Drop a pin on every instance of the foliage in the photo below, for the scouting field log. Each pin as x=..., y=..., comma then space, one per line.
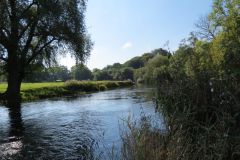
x=127, y=73
x=154, y=65
x=135, y=63
x=101, y=75
x=81, y=72
x=50, y=74
x=40, y=73
x=226, y=16
x=135, y=68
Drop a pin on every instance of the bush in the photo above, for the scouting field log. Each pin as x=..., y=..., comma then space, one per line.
x=86, y=86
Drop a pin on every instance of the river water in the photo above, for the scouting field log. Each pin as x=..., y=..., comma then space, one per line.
x=83, y=127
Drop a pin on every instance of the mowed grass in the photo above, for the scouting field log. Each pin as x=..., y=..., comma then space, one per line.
x=35, y=91
x=28, y=86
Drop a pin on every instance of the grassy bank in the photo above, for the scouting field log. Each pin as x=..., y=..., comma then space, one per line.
x=36, y=91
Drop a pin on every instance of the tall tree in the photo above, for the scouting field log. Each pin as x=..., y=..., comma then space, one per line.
x=36, y=30
x=81, y=72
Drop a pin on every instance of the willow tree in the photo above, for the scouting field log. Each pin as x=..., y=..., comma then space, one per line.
x=33, y=31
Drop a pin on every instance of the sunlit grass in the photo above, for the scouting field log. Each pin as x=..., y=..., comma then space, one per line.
x=27, y=86
x=3, y=87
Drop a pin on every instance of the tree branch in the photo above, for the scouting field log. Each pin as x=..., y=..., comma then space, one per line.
x=14, y=24
x=6, y=31
x=30, y=23
x=24, y=30
x=205, y=28
x=4, y=59
x=39, y=51
x=26, y=10
x=30, y=37
x=3, y=40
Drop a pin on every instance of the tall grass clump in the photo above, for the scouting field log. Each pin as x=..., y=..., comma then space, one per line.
x=141, y=140
x=202, y=117
x=92, y=86
x=86, y=86
x=203, y=120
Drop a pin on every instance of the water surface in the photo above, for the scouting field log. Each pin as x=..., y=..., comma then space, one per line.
x=73, y=128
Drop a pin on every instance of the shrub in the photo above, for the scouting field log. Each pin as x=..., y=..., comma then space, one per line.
x=102, y=87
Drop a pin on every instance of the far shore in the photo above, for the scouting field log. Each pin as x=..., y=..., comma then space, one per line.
x=38, y=91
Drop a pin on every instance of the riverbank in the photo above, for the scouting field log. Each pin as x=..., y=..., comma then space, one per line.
x=37, y=91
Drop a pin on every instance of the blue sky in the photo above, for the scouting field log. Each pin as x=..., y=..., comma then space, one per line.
x=122, y=29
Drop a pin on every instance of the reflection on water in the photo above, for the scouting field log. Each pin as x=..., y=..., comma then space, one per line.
x=73, y=128
x=13, y=143
x=16, y=128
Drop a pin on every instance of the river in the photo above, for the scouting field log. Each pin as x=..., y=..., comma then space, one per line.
x=83, y=127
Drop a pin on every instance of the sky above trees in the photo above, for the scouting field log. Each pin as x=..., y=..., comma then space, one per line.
x=122, y=29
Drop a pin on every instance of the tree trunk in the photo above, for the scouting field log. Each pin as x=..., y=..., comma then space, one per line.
x=14, y=84
x=16, y=123
x=15, y=76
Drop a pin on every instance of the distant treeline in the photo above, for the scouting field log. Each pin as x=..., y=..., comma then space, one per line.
x=139, y=69
x=136, y=69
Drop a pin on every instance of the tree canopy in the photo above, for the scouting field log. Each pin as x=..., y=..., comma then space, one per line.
x=36, y=31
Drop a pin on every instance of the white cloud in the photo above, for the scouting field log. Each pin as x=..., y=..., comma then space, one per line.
x=127, y=45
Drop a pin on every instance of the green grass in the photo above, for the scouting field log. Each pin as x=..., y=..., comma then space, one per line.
x=27, y=86
x=3, y=87
x=35, y=91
